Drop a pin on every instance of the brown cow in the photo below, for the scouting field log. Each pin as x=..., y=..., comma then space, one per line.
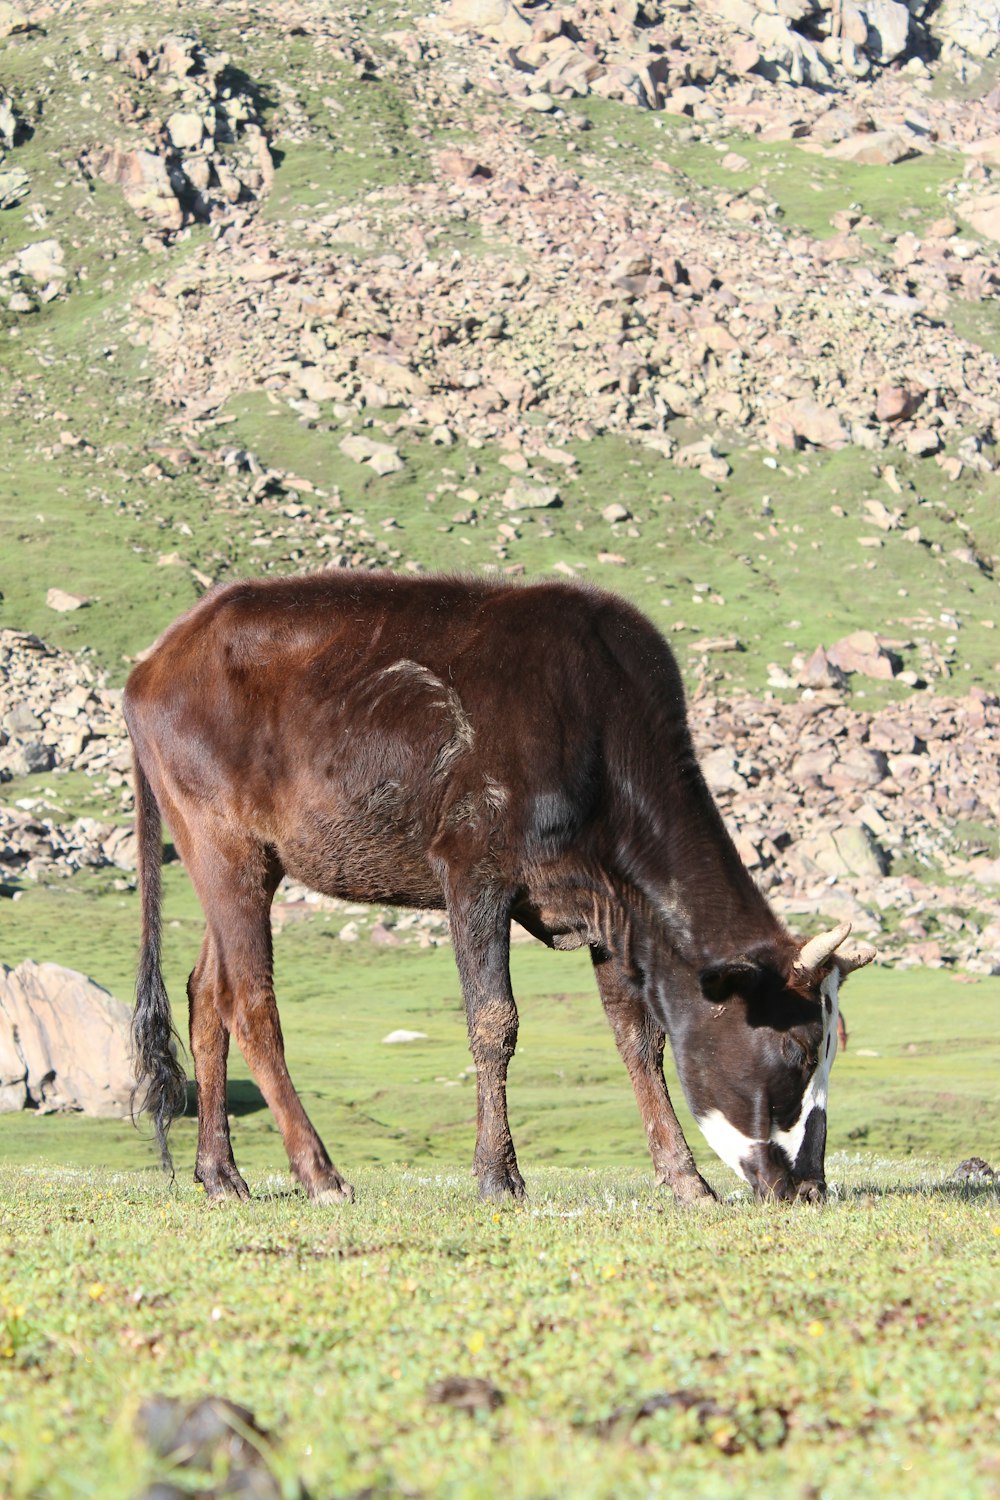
x=503, y=750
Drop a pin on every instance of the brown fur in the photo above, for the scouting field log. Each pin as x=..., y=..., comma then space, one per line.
x=505, y=751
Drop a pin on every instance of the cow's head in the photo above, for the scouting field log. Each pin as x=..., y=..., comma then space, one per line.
x=755, y=1064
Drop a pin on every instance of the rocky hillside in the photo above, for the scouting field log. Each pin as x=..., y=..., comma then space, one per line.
x=699, y=300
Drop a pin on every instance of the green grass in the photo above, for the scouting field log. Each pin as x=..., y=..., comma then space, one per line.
x=96, y=524
x=926, y=1093
x=807, y=187
x=846, y=1350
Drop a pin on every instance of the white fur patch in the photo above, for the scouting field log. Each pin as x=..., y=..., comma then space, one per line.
x=815, y=1094
x=675, y=913
x=728, y=1143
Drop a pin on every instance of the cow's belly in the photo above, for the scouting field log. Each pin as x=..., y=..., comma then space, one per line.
x=338, y=858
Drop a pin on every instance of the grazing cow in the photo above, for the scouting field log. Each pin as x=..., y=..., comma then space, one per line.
x=505, y=751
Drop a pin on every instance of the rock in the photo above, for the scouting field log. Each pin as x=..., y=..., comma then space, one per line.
x=983, y=213
x=211, y=1435
x=26, y=759
x=971, y=26
x=382, y=457
x=382, y=936
x=63, y=603
x=185, y=129
x=744, y=57
x=477, y=15
x=397, y=377
x=616, y=512
x=895, y=403
x=121, y=849
x=460, y=166
x=385, y=459
x=541, y=104
x=15, y=185
x=396, y=1037
x=42, y=261
x=845, y=851
x=520, y=495
x=985, y=149
x=719, y=770
x=9, y=121
x=863, y=652
x=703, y=456
x=874, y=148
x=974, y=1169
x=64, y=1042
x=146, y=183
x=888, y=25
x=739, y=13
x=805, y=420
x=820, y=672
x=922, y=441
x=13, y=18
x=466, y=1392
x=853, y=25
x=858, y=766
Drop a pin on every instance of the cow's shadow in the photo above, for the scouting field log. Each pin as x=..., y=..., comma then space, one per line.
x=243, y=1097
x=962, y=1191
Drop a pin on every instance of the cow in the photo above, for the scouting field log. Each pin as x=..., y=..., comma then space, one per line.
x=507, y=751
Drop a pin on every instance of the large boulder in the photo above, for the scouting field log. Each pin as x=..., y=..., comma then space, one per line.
x=971, y=26
x=146, y=181
x=64, y=1042
x=888, y=28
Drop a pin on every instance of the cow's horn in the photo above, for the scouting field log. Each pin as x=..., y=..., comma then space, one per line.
x=855, y=956
x=818, y=949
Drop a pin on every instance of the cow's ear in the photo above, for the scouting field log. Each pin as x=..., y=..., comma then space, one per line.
x=719, y=982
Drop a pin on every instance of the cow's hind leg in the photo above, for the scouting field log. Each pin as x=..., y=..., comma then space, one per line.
x=480, y=930
x=235, y=880
x=215, y=1167
x=641, y=1042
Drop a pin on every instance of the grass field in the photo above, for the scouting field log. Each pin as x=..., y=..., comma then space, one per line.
x=838, y=1352
x=820, y=1354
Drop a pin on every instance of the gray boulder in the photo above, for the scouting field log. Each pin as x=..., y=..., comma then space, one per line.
x=64, y=1043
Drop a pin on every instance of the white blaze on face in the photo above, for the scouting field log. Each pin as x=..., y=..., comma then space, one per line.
x=728, y=1143
x=816, y=1090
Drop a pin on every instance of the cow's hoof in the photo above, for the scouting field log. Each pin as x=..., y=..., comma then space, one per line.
x=690, y=1190
x=501, y=1184
x=332, y=1192
x=222, y=1182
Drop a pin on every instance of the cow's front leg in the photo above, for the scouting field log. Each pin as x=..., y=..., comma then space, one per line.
x=641, y=1042
x=480, y=930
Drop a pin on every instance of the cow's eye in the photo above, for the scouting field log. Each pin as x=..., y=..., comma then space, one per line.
x=793, y=1054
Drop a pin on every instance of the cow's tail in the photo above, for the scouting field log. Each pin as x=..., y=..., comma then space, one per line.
x=160, y=1087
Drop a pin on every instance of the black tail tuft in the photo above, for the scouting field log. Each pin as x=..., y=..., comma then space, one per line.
x=160, y=1087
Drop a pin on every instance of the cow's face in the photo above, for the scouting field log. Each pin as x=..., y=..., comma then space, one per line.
x=755, y=1064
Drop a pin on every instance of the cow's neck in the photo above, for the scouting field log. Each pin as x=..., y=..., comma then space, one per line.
x=696, y=889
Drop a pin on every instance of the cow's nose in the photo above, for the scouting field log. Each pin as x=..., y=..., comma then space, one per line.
x=811, y=1190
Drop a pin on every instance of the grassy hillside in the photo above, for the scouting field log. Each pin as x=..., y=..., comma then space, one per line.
x=102, y=477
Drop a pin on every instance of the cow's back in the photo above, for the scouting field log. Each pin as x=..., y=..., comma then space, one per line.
x=359, y=724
